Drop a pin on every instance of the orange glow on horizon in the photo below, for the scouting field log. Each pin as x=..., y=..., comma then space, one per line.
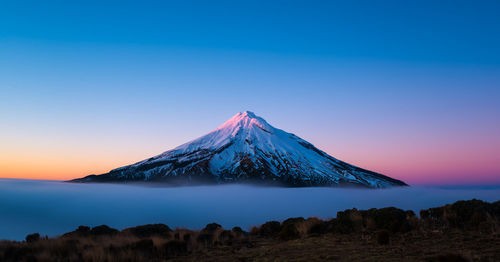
x=415, y=160
x=52, y=166
x=411, y=166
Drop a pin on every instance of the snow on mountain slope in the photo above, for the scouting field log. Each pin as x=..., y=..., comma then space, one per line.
x=247, y=149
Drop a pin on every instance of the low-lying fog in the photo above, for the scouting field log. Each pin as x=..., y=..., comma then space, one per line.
x=53, y=208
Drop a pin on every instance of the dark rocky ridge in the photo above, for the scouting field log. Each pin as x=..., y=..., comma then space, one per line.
x=463, y=231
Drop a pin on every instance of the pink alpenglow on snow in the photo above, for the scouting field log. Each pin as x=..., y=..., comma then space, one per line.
x=247, y=149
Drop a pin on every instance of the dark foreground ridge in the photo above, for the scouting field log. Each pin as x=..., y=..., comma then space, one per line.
x=463, y=231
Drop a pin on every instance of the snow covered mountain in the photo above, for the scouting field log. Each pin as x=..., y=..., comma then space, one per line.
x=246, y=149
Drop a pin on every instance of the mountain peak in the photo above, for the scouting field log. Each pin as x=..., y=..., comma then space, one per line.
x=247, y=149
x=246, y=120
x=249, y=114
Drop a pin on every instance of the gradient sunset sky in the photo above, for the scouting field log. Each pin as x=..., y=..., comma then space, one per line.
x=410, y=89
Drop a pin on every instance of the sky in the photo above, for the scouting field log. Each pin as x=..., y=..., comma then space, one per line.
x=410, y=89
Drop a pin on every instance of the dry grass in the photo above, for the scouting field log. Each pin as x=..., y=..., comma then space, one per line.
x=117, y=247
x=464, y=231
x=411, y=246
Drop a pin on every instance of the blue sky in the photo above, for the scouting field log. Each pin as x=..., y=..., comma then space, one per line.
x=420, y=31
x=370, y=82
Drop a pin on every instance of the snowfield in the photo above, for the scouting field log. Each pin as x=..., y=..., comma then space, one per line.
x=247, y=149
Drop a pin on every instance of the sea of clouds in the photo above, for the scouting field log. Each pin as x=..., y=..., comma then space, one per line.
x=52, y=208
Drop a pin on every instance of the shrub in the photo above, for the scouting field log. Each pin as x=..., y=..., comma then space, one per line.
x=254, y=231
x=212, y=227
x=390, y=218
x=305, y=227
x=270, y=229
x=81, y=231
x=293, y=228
x=471, y=214
x=103, y=230
x=317, y=228
x=468, y=214
x=238, y=232
x=341, y=225
x=293, y=220
x=352, y=220
x=31, y=238
x=289, y=231
x=149, y=230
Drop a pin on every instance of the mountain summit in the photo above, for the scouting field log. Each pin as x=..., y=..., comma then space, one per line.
x=246, y=149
